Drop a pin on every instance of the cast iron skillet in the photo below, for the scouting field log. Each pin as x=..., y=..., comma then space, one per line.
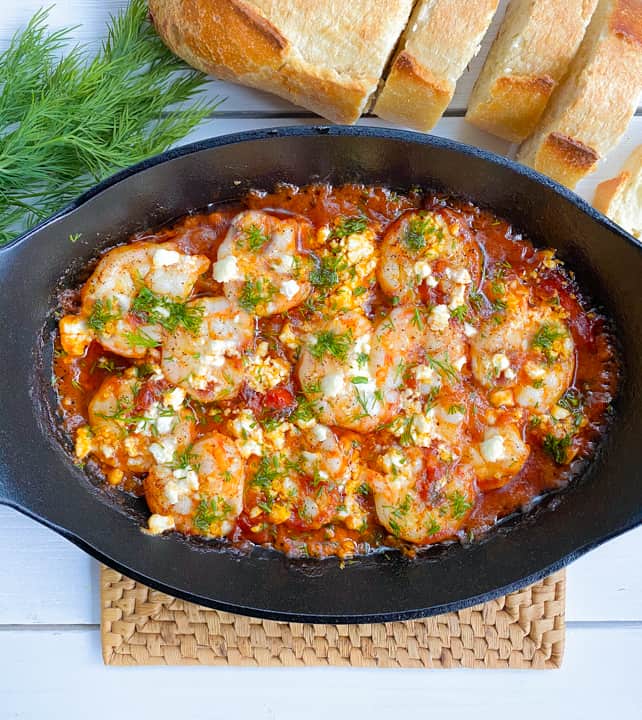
x=38, y=476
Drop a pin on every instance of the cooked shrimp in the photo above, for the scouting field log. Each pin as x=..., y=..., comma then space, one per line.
x=420, y=498
x=414, y=251
x=201, y=489
x=499, y=457
x=132, y=293
x=208, y=363
x=260, y=263
x=135, y=422
x=303, y=487
x=410, y=336
x=528, y=359
x=335, y=373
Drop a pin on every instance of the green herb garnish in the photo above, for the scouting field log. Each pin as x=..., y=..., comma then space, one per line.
x=210, y=511
x=256, y=292
x=331, y=343
x=139, y=338
x=68, y=122
x=459, y=506
x=153, y=308
x=557, y=448
x=349, y=226
x=103, y=312
x=255, y=239
x=546, y=337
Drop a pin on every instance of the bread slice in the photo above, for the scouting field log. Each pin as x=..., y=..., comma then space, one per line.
x=621, y=197
x=595, y=102
x=327, y=56
x=441, y=39
x=533, y=49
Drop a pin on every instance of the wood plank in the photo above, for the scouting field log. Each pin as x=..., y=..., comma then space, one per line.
x=45, y=669
x=44, y=579
x=91, y=16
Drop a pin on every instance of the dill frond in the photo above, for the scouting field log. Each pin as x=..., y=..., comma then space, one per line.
x=67, y=123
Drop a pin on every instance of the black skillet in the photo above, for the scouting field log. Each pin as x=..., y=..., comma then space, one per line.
x=37, y=473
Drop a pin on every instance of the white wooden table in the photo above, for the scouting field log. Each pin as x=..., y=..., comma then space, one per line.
x=50, y=662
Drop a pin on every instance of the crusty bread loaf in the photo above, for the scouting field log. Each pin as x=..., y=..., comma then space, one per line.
x=327, y=56
x=593, y=105
x=621, y=197
x=441, y=39
x=535, y=44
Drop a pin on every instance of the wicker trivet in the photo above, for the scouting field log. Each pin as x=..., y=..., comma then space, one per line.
x=141, y=626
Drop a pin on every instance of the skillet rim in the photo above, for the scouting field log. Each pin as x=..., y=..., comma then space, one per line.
x=331, y=130
x=349, y=131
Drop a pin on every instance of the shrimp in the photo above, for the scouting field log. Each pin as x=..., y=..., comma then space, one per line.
x=135, y=422
x=416, y=249
x=420, y=498
x=208, y=364
x=200, y=490
x=134, y=291
x=303, y=487
x=528, y=359
x=410, y=336
x=335, y=374
x=260, y=263
x=416, y=358
x=499, y=457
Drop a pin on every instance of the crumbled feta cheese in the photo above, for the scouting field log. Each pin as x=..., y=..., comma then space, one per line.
x=163, y=257
x=423, y=429
x=560, y=413
x=457, y=297
x=460, y=276
x=288, y=338
x=534, y=370
x=283, y=264
x=510, y=374
x=248, y=432
x=492, y=449
x=460, y=362
x=394, y=461
x=163, y=451
x=165, y=423
x=320, y=432
x=358, y=248
x=332, y=384
x=226, y=269
x=158, y=524
x=290, y=288
x=528, y=396
x=502, y=397
x=439, y=318
x=83, y=441
x=174, y=398
x=500, y=363
x=469, y=330
x=75, y=335
x=265, y=372
x=183, y=483
x=422, y=269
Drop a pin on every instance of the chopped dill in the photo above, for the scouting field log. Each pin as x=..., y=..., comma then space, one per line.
x=331, y=343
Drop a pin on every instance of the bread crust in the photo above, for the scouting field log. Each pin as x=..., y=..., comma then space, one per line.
x=441, y=39
x=533, y=48
x=621, y=197
x=592, y=107
x=273, y=45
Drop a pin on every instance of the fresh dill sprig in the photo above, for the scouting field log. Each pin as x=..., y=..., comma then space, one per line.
x=66, y=123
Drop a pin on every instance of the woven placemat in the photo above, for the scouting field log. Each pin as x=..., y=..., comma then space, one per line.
x=140, y=626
